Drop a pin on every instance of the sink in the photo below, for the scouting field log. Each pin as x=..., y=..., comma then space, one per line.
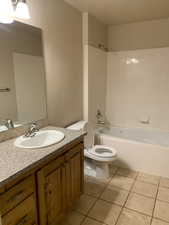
x=41, y=139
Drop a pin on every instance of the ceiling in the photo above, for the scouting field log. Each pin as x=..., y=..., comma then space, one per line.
x=123, y=11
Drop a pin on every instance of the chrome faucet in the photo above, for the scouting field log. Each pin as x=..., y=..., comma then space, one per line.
x=8, y=123
x=32, y=130
x=100, y=119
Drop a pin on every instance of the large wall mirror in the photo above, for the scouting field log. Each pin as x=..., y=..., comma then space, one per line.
x=22, y=74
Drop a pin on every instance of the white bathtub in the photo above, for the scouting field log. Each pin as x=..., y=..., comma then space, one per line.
x=138, y=149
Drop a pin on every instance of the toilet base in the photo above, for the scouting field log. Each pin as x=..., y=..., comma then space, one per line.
x=102, y=170
x=96, y=169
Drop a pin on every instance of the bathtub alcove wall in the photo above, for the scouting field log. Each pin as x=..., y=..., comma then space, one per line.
x=132, y=91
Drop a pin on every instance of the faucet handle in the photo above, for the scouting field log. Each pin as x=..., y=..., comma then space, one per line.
x=100, y=118
x=35, y=126
x=9, y=123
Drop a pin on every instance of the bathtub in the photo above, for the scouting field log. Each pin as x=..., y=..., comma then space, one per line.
x=138, y=149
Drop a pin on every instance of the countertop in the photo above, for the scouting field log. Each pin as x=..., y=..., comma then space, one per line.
x=16, y=161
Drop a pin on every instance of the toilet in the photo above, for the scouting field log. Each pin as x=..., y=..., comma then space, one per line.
x=98, y=158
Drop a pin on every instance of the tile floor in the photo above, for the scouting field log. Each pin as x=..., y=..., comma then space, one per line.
x=127, y=198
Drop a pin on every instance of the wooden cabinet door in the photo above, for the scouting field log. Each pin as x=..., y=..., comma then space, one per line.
x=50, y=193
x=74, y=168
x=59, y=184
x=75, y=165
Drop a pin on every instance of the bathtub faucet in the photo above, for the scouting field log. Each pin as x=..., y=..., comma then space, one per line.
x=100, y=119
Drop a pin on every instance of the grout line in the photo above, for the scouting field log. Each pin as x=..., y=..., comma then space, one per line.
x=107, y=184
x=83, y=220
x=129, y=192
x=141, y=195
x=98, y=198
x=167, y=222
x=104, y=188
x=125, y=202
x=133, y=210
x=163, y=201
x=99, y=221
x=94, y=203
x=146, y=182
x=133, y=192
x=155, y=201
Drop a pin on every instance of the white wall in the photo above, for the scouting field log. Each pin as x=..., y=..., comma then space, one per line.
x=94, y=31
x=94, y=71
x=97, y=32
x=138, y=91
x=62, y=31
x=97, y=71
x=94, y=67
x=142, y=35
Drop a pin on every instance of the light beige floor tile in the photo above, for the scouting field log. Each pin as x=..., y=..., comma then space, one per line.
x=127, y=173
x=162, y=210
x=84, y=204
x=146, y=189
x=97, y=180
x=164, y=182
x=163, y=194
x=89, y=221
x=129, y=217
x=73, y=218
x=94, y=187
x=152, y=179
x=159, y=222
x=105, y=212
x=140, y=203
x=115, y=195
x=113, y=170
x=122, y=182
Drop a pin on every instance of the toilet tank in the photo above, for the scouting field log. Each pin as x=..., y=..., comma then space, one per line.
x=80, y=125
x=84, y=126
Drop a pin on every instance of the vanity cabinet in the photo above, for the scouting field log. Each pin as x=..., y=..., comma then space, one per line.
x=23, y=214
x=46, y=193
x=60, y=184
x=18, y=204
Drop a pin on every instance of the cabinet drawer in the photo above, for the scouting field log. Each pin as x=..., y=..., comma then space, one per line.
x=23, y=214
x=16, y=194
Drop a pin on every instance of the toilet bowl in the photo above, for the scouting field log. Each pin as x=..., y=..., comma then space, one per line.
x=97, y=158
x=102, y=157
x=101, y=153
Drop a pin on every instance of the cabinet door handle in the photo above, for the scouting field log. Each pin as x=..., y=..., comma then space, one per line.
x=13, y=198
x=23, y=220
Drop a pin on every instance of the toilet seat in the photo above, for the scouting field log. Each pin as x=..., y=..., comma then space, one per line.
x=101, y=153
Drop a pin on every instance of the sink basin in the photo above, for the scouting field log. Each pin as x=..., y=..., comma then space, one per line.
x=42, y=139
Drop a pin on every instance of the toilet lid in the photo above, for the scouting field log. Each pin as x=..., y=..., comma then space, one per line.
x=103, y=151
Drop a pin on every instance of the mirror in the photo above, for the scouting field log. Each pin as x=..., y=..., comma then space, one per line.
x=22, y=74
